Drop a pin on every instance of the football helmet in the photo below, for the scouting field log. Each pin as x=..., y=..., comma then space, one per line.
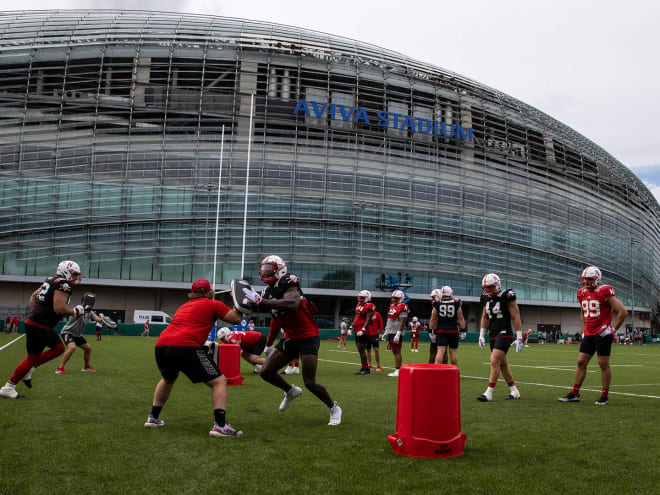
x=591, y=277
x=446, y=292
x=491, y=284
x=436, y=295
x=397, y=296
x=223, y=334
x=271, y=269
x=364, y=296
x=415, y=319
x=70, y=271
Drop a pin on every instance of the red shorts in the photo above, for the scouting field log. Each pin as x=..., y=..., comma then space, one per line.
x=395, y=345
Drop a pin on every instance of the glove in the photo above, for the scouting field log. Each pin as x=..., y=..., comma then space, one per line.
x=482, y=338
x=606, y=332
x=245, y=299
x=519, y=344
x=78, y=310
x=268, y=349
x=383, y=337
x=432, y=335
x=349, y=332
x=252, y=295
x=360, y=333
x=397, y=337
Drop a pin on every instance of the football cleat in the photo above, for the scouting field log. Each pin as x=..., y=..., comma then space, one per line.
x=602, y=401
x=61, y=371
x=484, y=398
x=154, y=422
x=88, y=368
x=379, y=368
x=394, y=373
x=289, y=396
x=9, y=392
x=570, y=397
x=335, y=415
x=27, y=379
x=224, y=431
x=363, y=371
x=512, y=397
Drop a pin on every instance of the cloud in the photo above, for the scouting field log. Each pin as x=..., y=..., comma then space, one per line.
x=655, y=190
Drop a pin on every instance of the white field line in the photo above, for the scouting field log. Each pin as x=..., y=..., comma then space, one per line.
x=517, y=382
x=10, y=343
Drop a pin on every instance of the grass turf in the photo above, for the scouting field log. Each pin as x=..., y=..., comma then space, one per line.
x=83, y=432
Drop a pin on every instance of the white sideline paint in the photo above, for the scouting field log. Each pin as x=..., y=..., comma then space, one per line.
x=523, y=383
x=10, y=343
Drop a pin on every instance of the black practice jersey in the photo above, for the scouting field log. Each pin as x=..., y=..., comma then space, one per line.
x=43, y=312
x=447, y=310
x=281, y=286
x=498, y=312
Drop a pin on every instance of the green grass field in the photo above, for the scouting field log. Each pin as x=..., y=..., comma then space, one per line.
x=83, y=432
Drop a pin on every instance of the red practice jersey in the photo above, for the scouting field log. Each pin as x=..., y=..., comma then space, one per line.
x=377, y=323
x=246, y=339
x=414, y=327
x=396, y=310
x=597, y=312
x=192, y=323
x=360, y=320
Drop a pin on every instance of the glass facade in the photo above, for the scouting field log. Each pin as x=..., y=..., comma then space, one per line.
x=363, y=162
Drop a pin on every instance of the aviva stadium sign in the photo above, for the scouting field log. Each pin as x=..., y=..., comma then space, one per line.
x=383, y=119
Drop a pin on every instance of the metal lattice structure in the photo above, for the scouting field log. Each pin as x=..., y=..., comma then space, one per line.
x=110, y=142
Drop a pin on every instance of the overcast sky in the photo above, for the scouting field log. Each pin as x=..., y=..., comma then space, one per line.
x=593, y=65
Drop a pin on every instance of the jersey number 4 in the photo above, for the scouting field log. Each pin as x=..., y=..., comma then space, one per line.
x=494, y=311
x=591, y=308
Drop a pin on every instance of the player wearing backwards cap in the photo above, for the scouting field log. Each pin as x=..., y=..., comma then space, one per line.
x=294, y=314
x=597, y=302
x=180, y=347
x=395, y=327
x=500, y=316
x=48, y=304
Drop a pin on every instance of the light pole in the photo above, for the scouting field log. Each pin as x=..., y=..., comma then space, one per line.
x=360, y=207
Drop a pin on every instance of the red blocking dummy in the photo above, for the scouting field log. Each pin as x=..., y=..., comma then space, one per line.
x=428, y=413
x=229, y=362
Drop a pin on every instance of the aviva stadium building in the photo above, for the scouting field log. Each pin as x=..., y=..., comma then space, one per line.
x=121, y=132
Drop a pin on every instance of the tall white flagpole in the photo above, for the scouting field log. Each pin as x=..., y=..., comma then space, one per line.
x=247, y=183
x=217, y=205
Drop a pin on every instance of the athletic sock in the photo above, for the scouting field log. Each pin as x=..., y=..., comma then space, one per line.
x=50, y=354
x=24, y=367
x=576, y=389
x=155, y=411
x=606, y=391
x=219, y=415
x=511, y=383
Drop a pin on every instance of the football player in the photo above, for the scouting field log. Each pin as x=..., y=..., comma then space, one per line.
x=414, y=327
x=500, y=317
x=293, y=313
x=597, y=304
x=365, y=330
x=343, y=333
x=48, y=304
x=446, y=321
x=252, y=344
x=180, y=348
x=395, y=327
x=378, y=329
x=72, y=334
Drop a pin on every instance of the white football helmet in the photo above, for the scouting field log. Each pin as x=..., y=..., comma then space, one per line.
x=446, y=292
x=397, y=296
x=364, y=296
x=271, y=269
x=491, y=284
x=436, y=295
x=223, y=334
x=415, y=319
x=591, y=277
x=70, y=271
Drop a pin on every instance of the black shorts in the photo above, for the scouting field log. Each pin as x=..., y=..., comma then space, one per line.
x=68, y=338
x=447, y=340
x=193, y=361
x=37, y=339
x=259, y=347
x=501, y=342
x=368, y=341
x=596, y=343
x=298, y=347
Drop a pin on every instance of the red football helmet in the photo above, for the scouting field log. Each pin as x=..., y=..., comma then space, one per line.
x=491, y=284
x=591, y=277
x=271, y=269
x=364, y=296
